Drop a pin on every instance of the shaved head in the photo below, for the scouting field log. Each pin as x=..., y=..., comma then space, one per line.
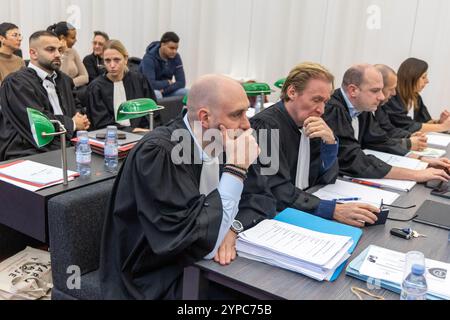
x=389, y=81
x=386, y=72
x=214, y=93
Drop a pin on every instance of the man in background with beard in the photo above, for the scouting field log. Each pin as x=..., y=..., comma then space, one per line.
x=43, y=87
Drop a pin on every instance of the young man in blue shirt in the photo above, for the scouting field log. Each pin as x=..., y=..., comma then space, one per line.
x=163, y=68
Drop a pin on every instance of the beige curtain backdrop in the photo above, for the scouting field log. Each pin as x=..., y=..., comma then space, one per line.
x=263, y=39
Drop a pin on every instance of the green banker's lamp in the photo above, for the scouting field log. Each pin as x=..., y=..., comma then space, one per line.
x=279, y=84
x=258, y=90
x=43, y=130
x=138, y=108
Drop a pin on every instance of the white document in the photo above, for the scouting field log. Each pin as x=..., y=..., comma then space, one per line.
x=344, y=190
x=314, y=254
x=388, y=265
x=299, y=243
x=398, y=161
x=33, y=175
x=430, y=152
x=438, y=140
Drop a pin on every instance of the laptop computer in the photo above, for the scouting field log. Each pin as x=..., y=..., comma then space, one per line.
x=434, y=213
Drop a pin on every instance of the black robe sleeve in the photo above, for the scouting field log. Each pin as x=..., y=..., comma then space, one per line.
x=99, y=111
x=421, y=114
x=399, y=116
x=145, y=91
x=280, y=182
x=385, y=123
x=353, y=161
x=373, y=137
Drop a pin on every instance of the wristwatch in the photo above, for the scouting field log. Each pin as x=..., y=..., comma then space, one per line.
x=237, y=227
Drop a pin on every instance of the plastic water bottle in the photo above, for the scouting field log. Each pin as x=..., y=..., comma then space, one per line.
x=83, y=155
x=111, y=150
x=414, y=287
x=259, y=104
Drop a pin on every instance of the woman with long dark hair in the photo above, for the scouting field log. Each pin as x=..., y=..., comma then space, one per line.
x=407, y=110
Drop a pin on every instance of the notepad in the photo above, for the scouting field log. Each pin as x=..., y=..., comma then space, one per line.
x=430, y=152
x=385, y=268
x=438, y=140
x=32, y=175
x=345, y=189
x=398, y=161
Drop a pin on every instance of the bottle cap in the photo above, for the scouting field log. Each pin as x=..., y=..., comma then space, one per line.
x=418, y=269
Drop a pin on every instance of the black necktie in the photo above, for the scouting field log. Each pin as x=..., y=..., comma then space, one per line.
x=51, y=79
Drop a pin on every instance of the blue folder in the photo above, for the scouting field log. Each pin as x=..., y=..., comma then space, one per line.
x=311, y=222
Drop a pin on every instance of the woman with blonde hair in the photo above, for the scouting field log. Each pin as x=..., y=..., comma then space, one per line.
x=407, y=110
x=117, y=85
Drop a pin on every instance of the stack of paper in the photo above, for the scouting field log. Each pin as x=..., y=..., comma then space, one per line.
x=438, y=140
x=343, y=190
x=314, y=254
x=430, y=152
x=32, y=175
x=398, y=161
x=386, y=268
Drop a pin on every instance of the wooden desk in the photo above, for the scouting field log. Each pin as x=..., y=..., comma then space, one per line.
x=263, y=281
x=26, y=211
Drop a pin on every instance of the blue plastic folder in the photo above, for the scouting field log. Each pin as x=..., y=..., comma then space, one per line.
x=353, y=271
x=311, y=222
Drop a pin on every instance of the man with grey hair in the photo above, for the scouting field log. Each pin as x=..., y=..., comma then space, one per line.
x=349, y=113
x=166, y=214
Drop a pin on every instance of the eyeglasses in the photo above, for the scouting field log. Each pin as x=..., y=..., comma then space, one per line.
x=95, y=43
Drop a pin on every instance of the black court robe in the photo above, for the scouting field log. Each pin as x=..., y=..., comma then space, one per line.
x=24, y=89
x=398, y=114
x=282, y=183
x=100, y=94
x=353, y=161
x=385, y=123
x=158, y=222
